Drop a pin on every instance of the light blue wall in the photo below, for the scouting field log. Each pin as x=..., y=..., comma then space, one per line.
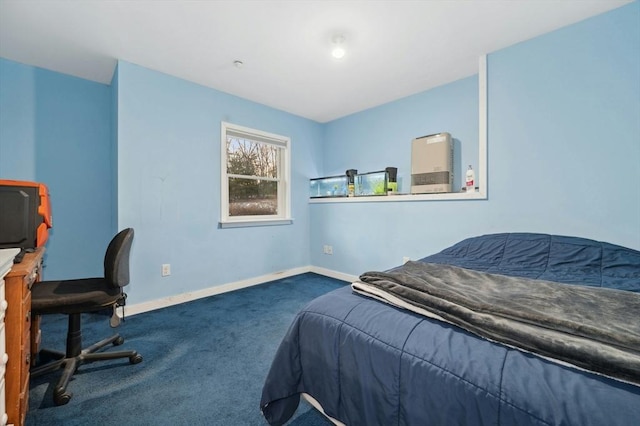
x=563, y=117
x=56, y=129
x=17, y=121
x=564, y=114
x=563, y=144
x=169, y=185
x=379, y=137
x=368, y=236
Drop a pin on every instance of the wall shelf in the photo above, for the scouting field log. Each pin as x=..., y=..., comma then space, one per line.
x=481, y=174
x=401, y=198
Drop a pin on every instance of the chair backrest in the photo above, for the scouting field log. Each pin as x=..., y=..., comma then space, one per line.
x=116, y=259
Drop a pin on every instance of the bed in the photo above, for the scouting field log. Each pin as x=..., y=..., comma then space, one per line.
x=370, y=356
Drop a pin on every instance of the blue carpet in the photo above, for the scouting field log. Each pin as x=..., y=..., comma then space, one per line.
x=204, y=361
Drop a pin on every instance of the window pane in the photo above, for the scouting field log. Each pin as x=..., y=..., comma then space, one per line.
x=251, y=197
x=245, y=157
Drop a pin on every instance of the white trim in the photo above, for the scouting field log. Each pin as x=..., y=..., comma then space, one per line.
x=402, y=197
x=284, y=177
x=483, y=121
x=333, y=274
x=257, y=222
x=258, y=135
x=189, y=296
x=224, y=184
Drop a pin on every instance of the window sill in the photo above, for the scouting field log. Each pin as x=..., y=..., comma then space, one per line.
x=259, y=222
x=402, y=197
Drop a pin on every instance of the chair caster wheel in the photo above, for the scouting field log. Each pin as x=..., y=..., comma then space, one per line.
x=118, y=341
x=62, y=398
x=136, y=359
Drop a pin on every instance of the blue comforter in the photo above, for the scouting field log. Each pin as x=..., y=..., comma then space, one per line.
x=369, y=363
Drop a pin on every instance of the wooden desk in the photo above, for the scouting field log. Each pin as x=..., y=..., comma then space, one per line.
x=18, y=325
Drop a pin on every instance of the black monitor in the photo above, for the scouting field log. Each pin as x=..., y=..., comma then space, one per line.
x=24, y=214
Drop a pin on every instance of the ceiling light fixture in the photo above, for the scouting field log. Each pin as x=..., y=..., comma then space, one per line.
x=338, y=51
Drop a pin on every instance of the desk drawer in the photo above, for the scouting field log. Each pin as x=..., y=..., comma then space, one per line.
x=28, y=281
x=25, y=341
x=25, y=353
x=26, y=310
x=33, y=276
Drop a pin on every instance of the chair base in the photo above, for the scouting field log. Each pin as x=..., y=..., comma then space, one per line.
x=74, y=358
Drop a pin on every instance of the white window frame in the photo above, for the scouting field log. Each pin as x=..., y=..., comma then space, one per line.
x=284, y=169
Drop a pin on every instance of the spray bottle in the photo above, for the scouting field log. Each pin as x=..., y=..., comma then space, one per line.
x=470, y=181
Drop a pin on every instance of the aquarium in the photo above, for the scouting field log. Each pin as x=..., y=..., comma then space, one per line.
x=332, y=186
x=372, y=183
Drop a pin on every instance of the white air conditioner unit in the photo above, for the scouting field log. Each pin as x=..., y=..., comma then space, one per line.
x=432, y=164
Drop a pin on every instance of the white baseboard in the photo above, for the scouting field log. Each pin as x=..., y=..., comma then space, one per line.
x=139, y=308
x=333, y=274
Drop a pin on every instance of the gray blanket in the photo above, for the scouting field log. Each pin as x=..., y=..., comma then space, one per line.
x=589, y=327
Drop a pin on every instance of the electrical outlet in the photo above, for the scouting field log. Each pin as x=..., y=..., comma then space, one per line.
x=166, y=269
x=327, y=249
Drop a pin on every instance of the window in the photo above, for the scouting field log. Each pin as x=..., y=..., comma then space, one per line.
x=255, y=186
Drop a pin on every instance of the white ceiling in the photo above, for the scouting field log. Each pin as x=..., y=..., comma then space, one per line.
x=395, y=48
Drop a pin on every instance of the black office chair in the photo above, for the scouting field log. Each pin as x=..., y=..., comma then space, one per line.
x=78, y=296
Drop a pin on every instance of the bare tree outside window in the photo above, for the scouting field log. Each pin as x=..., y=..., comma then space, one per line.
x=252, y=168
x=255, y=177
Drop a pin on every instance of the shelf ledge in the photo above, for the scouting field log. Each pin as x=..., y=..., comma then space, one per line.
x=401, y=197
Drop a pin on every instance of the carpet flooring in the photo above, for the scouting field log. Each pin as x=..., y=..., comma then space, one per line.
x=204, y=361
